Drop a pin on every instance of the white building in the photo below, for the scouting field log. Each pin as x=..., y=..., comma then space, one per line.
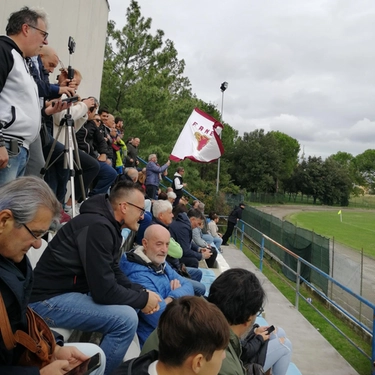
x=85, y=21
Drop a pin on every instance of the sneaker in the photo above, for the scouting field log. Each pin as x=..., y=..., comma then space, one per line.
x=224, y=244
x=64, y=217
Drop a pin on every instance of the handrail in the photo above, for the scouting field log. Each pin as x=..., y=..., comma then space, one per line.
x=241, y=228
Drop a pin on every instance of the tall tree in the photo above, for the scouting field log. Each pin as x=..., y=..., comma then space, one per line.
x=289, y=148
x=255, y=161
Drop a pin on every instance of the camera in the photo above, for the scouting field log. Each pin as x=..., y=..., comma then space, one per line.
x=71, y=45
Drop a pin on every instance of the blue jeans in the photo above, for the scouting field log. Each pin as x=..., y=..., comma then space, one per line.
x=117, y=323
x=105, y=178
x=16, y=165
x=217, y=242
x=278, y=355
x=196, y=276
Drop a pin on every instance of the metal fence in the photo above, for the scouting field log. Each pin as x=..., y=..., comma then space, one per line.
x=244, y=230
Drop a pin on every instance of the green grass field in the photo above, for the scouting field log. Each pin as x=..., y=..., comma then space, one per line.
x=357, y=229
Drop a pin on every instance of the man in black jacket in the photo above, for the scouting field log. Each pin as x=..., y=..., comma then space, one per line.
x=78, y=283
x=234, y=216
x=91, y=141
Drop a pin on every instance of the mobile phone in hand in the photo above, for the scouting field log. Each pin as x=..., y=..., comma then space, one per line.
x=86, y=367
x=70, y=99
x=270, y=329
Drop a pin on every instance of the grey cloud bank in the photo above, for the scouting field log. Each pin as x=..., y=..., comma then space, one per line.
x=302, y=67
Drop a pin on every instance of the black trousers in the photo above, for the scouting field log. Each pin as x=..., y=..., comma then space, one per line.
x=229, y=232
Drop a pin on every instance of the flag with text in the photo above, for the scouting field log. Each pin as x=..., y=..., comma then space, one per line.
x=199, y=140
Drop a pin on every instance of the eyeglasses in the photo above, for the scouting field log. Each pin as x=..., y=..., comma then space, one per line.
x=37, y=237
x=97, y=120
x=44, y=33
x=134, y=205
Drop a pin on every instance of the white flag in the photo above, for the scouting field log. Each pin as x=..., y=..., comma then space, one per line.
x=199, y=140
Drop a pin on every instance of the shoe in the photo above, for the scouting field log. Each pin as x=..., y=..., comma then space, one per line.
x=221, y=250
x=224, y=244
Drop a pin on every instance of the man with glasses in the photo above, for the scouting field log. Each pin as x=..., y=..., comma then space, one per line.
x=27, y=207
x=20, y=114
x=78, y=283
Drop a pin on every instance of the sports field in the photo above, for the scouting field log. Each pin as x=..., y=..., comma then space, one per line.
x=357, y=229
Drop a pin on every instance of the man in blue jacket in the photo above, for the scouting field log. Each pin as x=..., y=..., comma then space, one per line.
x=147, y=266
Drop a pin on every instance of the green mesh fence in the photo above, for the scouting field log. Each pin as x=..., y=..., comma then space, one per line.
x=304, y=243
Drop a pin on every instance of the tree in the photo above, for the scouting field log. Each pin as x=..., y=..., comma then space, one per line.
x=289, y=148
x=255, y=161
x=365, y=164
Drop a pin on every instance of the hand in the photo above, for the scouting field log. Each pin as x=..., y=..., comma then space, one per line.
x=109, y=162
x=168, y=163
x=71, y=354
x=152, y=303
x=102, y=157
x=90, y=102
x=4, y=157
x=262, y=331
x=68, y=91
x=131, y=160
x=184, y=184
x=206, y=253
x=175, y=284
x=55, y=368
x=56, y=106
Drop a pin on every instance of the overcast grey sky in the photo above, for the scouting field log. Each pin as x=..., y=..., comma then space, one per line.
x=305, y=68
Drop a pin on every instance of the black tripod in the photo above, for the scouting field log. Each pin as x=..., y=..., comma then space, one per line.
x=71, y=161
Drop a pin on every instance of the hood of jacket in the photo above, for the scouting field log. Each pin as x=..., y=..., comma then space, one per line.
x=99, y=204
x=138, y=365
x=183, y=219
x=139, y=257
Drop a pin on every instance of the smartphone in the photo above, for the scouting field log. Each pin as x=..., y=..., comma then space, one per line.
x=270, y=329
x=86, y=367
x=71, y=99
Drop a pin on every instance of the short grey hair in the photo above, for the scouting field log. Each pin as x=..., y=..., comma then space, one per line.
x=25, y=195
x=161, y=206
x=172, y=195
x=151, y=156
x=25, y=15
x=201, y=206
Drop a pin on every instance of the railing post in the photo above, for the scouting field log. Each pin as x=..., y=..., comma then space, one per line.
x=242, y=234
x=298, y=282
x=261, y=254
x=373, y=344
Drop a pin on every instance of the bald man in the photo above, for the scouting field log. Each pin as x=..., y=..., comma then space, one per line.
x=147, y=265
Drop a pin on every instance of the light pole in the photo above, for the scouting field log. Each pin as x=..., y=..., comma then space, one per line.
x=223, y=87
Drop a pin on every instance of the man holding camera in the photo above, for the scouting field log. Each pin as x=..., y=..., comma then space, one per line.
x=19, y=100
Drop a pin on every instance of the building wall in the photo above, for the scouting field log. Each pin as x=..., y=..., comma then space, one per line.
x=86, y=22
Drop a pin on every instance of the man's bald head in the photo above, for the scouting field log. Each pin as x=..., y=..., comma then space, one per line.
x=155, y=243
x=132, y=173
x=49, y=58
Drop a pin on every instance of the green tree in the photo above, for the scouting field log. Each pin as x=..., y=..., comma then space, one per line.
x=255, y=161
x=365, y=164
x=289, y=148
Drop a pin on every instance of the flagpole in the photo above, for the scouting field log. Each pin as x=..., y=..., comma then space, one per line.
x=223, y=87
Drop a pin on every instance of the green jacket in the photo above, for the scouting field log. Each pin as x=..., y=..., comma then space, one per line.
x=232, y=365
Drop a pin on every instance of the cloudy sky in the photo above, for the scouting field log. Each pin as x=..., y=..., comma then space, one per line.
x=305, y=68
